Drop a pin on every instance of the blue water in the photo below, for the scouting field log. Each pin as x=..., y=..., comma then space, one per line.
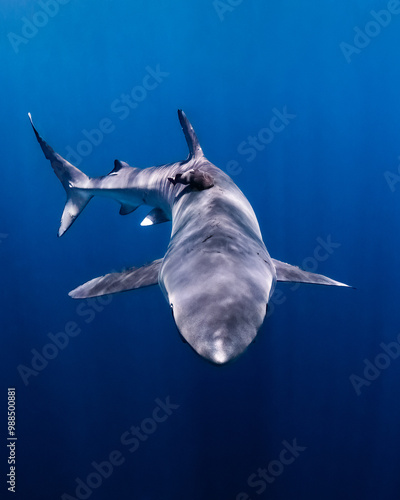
x=328, y=174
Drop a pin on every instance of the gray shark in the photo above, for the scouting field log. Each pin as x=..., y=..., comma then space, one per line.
x=217, y=275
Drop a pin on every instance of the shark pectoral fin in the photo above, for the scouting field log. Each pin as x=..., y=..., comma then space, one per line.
x=131, y=279
x=156, y=216
x=286, y=272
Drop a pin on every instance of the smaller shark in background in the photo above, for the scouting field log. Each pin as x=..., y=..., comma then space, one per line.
x=217, y=275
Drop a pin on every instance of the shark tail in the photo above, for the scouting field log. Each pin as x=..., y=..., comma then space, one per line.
x=70, y=177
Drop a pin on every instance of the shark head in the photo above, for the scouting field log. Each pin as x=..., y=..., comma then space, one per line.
x=218, y=329
x=220, y=316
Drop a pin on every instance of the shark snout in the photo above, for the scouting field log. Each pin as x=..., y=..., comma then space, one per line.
x=222, y=347
x=220, y=320
x=216, y=331
x=220, y=352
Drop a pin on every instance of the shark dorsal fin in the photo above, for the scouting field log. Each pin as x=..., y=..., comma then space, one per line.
x=118, y=165
x=190, y=135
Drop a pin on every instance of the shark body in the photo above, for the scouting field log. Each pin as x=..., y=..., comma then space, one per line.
x=217, y=275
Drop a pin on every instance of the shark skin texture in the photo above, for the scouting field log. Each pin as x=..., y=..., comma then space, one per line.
x=217, y=275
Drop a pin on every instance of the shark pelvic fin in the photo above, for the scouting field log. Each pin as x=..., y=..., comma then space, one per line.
x=119, y=282
x=127, y=209
x=156, y=216
x=195, y=150
x=70, y=178
x=286, y=272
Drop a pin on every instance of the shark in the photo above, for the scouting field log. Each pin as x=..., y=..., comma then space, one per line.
x=216, y=275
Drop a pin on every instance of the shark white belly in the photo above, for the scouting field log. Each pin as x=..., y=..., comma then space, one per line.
x=216, y=275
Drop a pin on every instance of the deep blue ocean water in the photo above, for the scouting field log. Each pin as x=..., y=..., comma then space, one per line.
x=327, y=178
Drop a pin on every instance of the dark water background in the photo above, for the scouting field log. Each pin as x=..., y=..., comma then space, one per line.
x=320, y=178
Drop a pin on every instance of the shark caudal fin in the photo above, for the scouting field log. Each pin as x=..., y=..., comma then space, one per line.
x=286, y=272
x=190, y=135
x=70, y=177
